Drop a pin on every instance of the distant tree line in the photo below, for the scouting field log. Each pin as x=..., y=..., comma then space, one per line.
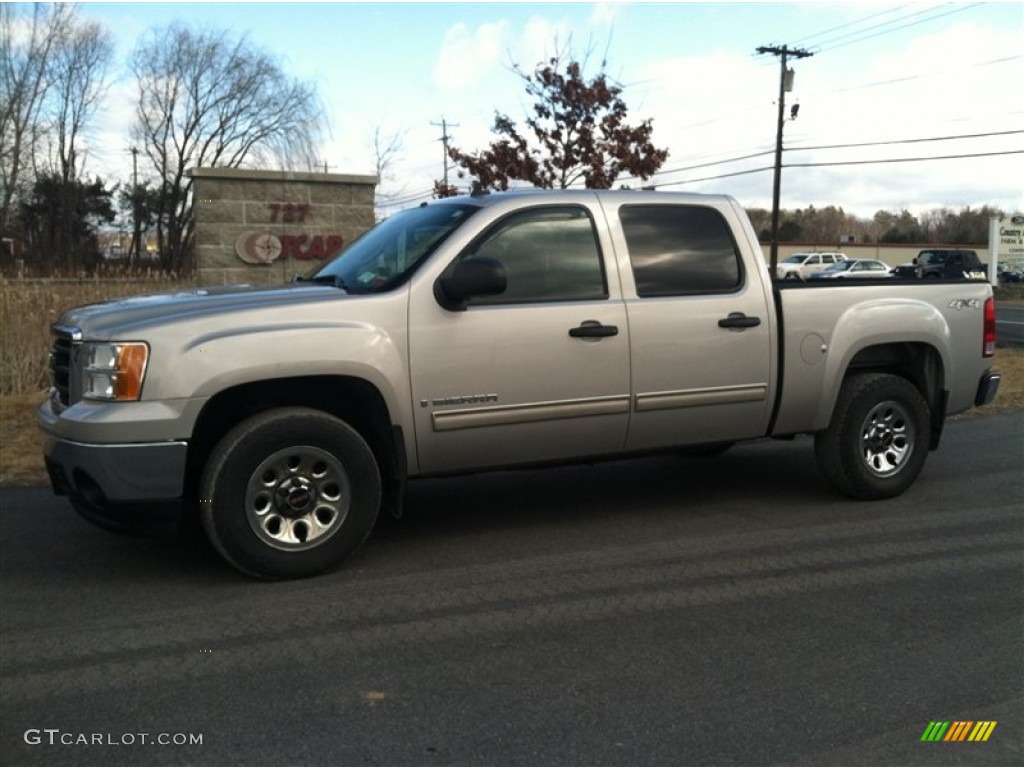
x=202, y=98
x=967, y=226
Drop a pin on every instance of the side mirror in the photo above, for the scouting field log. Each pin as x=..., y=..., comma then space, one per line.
x=477, y=276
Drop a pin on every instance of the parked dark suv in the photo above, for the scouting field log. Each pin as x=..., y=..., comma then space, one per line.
x=949, y=263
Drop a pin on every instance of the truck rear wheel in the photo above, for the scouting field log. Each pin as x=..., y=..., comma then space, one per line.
x=289, y=493
x=878, y=440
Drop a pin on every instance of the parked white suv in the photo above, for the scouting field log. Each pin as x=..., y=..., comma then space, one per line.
x=803, y=265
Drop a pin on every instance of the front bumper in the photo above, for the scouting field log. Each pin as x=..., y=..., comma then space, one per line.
x=134, y=488
x=116, y=473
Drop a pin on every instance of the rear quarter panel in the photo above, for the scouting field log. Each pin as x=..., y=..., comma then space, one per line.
x=826, y=326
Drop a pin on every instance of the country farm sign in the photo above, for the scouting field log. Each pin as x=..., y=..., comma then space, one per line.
x=1006, y=241
x=1011, y=235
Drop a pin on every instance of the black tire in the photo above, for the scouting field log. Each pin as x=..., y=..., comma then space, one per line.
x=878, y=440
x=289, y=493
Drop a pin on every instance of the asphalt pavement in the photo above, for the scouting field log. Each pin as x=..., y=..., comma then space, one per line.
x=657, y=611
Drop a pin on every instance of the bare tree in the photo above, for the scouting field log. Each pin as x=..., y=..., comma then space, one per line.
x=79, y=76
x=387, y=148
x=208, y=100
x=79, y=67
x=28, y=40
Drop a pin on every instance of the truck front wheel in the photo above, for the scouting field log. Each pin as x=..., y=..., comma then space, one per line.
x=877, y=442
x=289, y=493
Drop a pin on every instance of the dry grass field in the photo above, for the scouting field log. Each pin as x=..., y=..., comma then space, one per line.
x=28, y=307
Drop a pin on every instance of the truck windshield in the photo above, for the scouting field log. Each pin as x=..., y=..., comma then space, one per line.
x=387, y=255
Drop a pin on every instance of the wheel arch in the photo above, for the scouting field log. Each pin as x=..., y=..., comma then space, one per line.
x=353, y=400
x=919, y=362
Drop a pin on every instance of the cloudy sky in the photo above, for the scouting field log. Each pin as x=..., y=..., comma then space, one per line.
x=880, y=74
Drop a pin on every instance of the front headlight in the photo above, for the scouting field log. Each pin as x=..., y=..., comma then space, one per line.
x=113, y=371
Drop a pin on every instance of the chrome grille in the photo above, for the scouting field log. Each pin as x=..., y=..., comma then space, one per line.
x=60, y=364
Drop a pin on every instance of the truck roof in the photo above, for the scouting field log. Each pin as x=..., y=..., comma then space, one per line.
x=648, y=196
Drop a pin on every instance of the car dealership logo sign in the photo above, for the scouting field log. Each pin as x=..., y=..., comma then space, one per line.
x=264, y=248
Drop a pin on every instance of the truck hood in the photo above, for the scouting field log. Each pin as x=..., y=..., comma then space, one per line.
x=133, y=314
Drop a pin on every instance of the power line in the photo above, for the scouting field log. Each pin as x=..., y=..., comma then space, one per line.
x=850, y=24
x=896, y=29
x=842, y=163
x=920, y=75
x=906, y=141
x=827, y=146
x=880, y=25
x=411, y=197
x=907, y=159
x=714, y=178
x=751, y=106
x=708, y=165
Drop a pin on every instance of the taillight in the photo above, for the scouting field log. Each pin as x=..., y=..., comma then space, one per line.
x=989, y=339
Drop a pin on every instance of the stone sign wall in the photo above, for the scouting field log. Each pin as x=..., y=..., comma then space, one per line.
x=263, y=227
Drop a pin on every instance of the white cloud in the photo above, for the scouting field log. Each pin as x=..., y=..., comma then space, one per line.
x=605, y=13
x=541, y=39
x=468, y=56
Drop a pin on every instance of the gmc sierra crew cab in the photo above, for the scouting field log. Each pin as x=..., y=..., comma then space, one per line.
x=494, y=331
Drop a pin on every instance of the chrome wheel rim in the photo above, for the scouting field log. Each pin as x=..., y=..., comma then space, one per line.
x=886, y=439
x=297, y=498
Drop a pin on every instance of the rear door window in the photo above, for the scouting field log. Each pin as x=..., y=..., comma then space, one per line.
x=680, y=249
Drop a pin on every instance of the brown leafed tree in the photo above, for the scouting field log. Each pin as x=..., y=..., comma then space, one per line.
x=442, y=190
x=577, y=133
x=207, y=100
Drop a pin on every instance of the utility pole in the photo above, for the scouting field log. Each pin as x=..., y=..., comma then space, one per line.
x=444, y=125
x=785, y=84
x=135, y=258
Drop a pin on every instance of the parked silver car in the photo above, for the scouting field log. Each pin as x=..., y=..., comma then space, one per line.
x=859, y=268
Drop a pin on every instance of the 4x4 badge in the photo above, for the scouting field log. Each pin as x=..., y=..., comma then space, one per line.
x=964, y=304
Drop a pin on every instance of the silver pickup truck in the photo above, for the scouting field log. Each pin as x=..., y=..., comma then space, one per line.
x=494, y=331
